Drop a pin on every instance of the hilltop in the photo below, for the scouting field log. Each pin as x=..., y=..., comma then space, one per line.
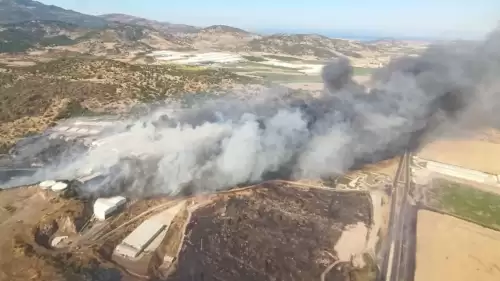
x=306, y=45
x=161, y=26
x=13, y=11
x=224, y=29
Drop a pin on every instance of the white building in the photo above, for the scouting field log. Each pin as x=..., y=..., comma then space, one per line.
x=139, y=239
x=459, y=172
x=104, y=207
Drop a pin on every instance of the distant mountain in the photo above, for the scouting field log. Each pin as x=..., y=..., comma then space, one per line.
x=161, y=26
x=306, y=45
x=114, y=38
x=13, y=11
x=27, y=25
x=224, y=29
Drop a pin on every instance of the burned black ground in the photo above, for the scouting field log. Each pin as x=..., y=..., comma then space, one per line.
x=273, y=232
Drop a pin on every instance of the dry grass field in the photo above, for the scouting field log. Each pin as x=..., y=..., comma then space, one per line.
x=474, y=154
x=455, y=250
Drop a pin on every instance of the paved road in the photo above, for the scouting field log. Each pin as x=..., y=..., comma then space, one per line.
x=399, y=260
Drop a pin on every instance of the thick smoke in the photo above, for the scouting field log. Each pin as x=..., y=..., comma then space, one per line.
x=227, y=142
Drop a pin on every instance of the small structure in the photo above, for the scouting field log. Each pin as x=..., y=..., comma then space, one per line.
x=47, y=184
x=59, y=186
x=104, y=207
x=57, y=240
x=139, y=239
x=89, y=177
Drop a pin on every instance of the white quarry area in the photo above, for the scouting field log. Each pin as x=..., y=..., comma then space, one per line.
x=301, y=67
x=147, y=237
x=105, y=207
x=196, y=58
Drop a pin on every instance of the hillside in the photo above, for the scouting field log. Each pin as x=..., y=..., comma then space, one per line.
x=13, y=11
x=161, y=26
x=224, y=29
x=219, y=37
x=117, y=38
x=112, y=39
x=30, y=25
x=306, y=45
x=32, y=98
x=20, y=37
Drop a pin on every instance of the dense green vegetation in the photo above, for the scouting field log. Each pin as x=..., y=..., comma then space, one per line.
x=466, y=202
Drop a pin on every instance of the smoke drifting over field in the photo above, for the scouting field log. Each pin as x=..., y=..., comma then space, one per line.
x=226, y=143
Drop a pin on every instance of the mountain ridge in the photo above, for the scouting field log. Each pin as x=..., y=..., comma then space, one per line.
x=14, y=11
x=123, y=34
x=159, y=25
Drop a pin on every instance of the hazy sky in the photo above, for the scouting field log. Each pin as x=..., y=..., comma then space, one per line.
x=463, y=18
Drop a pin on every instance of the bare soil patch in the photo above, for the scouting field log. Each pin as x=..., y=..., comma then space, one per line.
x=35, y=218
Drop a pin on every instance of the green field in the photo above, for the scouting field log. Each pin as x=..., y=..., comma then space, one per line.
x=467, y=202
x=362, y=71
x=282, y=58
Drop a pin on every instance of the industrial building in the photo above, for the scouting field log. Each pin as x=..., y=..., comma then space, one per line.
x=457, y=172
x=149, y=234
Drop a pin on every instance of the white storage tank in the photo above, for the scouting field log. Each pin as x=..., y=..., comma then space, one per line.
x=104, y=207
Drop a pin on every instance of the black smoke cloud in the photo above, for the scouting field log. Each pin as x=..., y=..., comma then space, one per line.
x=229, y=142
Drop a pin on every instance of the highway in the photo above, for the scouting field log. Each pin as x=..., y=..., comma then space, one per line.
x=399, y=259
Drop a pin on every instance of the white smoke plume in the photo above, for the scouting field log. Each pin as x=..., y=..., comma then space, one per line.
x=227, y=142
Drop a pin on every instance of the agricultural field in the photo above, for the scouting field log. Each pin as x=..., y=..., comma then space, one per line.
x=458, y=236
x=467, y=202
x=449, y=248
